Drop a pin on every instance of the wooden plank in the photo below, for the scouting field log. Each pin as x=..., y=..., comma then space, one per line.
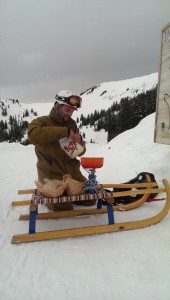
x=129, y=185
x=25, y=192
x=107, y=185
x=65, y=214
x=138, y=192
x=21, y=203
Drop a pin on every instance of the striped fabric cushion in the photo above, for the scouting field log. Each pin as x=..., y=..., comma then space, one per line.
x=39, y=198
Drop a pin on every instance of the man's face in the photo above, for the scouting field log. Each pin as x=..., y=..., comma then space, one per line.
x=66, y=112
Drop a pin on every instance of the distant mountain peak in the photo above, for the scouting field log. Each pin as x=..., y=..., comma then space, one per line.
x=97, y=98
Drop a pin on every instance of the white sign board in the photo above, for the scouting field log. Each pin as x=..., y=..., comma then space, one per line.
x=162, y=121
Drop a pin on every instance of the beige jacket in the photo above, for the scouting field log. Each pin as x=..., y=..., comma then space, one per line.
x=52, y=162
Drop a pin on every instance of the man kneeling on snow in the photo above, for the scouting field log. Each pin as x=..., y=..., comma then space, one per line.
x=47, y=133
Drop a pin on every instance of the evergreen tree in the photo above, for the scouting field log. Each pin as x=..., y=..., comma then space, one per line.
x=122, y=116
x=4, y=111
x=26, y=113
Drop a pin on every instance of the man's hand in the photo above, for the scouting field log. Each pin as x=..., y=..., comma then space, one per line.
x=75, y=136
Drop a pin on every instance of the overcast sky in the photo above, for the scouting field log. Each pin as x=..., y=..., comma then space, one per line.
x=49, y=45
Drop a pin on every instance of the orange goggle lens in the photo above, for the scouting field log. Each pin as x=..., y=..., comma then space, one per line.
x=75, y=101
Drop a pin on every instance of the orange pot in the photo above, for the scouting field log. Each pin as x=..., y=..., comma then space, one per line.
x=92, y=162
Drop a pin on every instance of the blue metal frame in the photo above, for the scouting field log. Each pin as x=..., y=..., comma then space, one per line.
x=110, y=213
x=32, y=220
x=99, y=203
x=91, y=185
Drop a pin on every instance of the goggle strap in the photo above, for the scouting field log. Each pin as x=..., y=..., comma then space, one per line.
x=76, y=100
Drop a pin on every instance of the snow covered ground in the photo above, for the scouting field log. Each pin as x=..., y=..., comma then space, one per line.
x=131, y=265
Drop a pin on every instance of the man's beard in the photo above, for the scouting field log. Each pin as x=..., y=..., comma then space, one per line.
x=66, y=118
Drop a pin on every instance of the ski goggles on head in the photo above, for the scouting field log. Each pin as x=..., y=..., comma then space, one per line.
x=74, y=101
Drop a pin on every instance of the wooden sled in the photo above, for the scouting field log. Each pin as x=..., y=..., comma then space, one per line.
x=109, y=197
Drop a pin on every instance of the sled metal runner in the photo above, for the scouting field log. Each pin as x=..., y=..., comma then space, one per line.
x=111, y=227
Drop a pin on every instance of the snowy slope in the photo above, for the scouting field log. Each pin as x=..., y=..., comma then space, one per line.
x=131, y=265
x=101, y=97
x=107, y=93
x=114, y=91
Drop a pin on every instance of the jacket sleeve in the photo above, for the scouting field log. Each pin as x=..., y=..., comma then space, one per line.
x=82, y=153
x=41, y=133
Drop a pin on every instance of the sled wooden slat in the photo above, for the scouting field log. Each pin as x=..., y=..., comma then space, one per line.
x=24, y=238
x=123, y=185
x=25, y=192
x=129, y=185
x=65, y=214
x=21, y=203
x=138, y=192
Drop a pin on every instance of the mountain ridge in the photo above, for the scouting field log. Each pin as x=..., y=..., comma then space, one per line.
x=95, y=98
